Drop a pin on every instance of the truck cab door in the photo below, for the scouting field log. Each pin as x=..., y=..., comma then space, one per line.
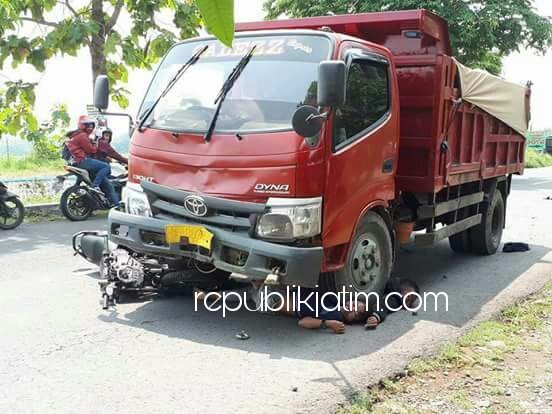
x=363, y=141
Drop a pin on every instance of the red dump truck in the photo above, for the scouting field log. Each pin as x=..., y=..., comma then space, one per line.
x=309, y=151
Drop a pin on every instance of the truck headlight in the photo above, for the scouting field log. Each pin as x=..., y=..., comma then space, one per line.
x=291, y=218
x=136, y=201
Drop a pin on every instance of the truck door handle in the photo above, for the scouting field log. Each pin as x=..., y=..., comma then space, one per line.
x=387, y=166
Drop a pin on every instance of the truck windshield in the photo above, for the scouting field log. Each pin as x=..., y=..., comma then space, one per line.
x=281, y=76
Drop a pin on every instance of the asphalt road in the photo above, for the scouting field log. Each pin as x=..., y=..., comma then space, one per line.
x=60, y=352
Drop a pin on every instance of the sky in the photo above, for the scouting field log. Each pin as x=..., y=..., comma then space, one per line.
x=69, y=79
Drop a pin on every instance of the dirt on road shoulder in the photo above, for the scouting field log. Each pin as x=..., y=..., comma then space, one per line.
x=500, y=366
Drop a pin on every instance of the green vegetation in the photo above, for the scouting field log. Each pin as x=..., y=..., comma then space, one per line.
x=41, y=218
x=484, y=364
x=482, y=32
x=22, y=167
x=40, y=199
x=534, y=159
x=218, y=16
x=462, y=401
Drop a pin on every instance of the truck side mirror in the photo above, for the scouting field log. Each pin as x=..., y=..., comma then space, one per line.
x=331, y=83
x=101, y=92
x=307, y=121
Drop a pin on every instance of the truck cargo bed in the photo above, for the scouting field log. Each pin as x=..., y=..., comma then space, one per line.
x=442, y=146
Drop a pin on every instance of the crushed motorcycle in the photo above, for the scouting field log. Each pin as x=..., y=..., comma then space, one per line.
x=123, y=271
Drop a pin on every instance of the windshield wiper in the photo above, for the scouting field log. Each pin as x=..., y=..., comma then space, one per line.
x=226, y=87
x=170, y=85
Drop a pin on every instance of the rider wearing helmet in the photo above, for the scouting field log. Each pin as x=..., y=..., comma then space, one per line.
x=83, y=150
x=106, y=151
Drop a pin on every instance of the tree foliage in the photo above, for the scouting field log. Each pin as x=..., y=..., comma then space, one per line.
x=114, y=45
x=219, y=18
x=48, y=137
x=482, y=31
x=118, y=34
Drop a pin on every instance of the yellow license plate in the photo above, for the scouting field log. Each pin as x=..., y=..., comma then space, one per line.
x=194, y=235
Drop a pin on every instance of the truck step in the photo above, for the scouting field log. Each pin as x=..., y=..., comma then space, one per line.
x=435, y=210
x=428, y=239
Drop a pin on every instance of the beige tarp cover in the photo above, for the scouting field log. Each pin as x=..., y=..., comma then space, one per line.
x=504, y=100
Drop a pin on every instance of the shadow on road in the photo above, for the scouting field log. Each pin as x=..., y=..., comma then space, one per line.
x=30, y=237
x=470, y=282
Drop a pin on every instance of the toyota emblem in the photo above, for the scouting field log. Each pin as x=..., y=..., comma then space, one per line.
x=195, y=205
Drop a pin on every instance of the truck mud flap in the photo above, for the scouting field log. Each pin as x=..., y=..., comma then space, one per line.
x=91, y=245
x=428, y=239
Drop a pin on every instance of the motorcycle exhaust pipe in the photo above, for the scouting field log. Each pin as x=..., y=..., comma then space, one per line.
x=92, y=201
x=91, y=245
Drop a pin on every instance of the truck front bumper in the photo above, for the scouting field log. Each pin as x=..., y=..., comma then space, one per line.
x=298, y=266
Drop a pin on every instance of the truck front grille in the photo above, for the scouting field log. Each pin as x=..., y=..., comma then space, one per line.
x=220, y=212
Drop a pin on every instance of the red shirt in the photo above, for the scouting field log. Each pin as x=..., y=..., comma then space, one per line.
x=80, y=146
x=105, y=150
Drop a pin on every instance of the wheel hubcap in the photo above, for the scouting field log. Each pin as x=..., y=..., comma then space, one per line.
x=76, y=203
x=366, y=263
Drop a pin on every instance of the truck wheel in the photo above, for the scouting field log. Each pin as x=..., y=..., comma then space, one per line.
x=460, y=242
x=486, y=236
x=370, y=258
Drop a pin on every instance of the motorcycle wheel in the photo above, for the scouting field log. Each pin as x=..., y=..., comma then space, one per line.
x=12, y=213
x=74, y=204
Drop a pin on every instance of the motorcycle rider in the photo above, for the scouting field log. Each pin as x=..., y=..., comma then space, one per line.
x=82, y=150
x=105, y=151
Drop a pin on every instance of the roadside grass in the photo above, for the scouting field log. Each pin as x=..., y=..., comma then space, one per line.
x=23, y=167
x=484, y=349
x=462, y=400
x=40, y=199
x=42, y=218
x=534, y=159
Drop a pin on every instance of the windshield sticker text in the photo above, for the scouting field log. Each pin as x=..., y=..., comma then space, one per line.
x=273, y=47
x=297, y=45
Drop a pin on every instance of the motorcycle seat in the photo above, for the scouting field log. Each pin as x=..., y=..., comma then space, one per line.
x=80, y=171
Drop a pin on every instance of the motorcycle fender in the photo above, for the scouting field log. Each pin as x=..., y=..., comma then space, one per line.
x=91, y=245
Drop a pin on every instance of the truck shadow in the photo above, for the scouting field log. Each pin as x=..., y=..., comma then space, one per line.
x=33, y=237
x=470, y=282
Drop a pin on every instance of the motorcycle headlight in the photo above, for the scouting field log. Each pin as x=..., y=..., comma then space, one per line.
x=136, y=201
x=289, y=219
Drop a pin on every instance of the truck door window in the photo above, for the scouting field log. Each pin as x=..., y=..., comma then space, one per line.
x=367, y=102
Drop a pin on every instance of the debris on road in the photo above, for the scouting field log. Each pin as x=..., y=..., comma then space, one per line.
x=242, y=335
x=515, y=247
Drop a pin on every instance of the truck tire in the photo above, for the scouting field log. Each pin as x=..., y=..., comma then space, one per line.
x=460, y=242
x=485, y=237
x=370, y=258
